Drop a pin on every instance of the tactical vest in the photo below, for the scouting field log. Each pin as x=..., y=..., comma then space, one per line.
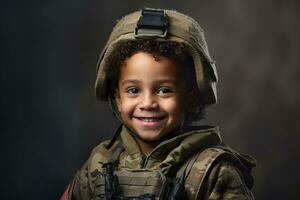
x=141, y=184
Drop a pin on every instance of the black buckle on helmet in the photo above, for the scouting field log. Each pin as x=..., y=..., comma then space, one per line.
x=152, y=23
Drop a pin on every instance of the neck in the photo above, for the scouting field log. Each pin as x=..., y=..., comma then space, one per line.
x=145, y=147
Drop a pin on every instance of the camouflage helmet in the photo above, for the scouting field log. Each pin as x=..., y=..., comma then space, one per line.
x=162, y=25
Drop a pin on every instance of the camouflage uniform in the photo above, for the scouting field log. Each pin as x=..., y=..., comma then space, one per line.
x=211, y=170
x=225, y=179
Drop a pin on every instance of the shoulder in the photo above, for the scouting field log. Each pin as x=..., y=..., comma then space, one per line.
x=226, y=181
x=224, y=173
x=100, y=155
x=97, y=155
x=81, y=185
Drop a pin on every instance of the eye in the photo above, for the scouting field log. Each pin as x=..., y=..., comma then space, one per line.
x=132, y=91
x=164, y=91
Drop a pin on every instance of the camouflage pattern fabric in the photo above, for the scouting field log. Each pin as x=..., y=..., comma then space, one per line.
x=223, y=170
x=218, y=173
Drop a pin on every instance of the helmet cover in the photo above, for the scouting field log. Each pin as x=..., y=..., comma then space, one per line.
x=162, y=25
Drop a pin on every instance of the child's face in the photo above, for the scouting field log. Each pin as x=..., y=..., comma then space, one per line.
x=150, y=96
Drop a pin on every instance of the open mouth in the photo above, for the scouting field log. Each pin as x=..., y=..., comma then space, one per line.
x=150, y=119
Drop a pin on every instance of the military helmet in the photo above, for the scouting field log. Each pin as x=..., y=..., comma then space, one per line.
x=162, y=25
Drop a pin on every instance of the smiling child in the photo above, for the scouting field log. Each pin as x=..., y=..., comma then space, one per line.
x=157, y=74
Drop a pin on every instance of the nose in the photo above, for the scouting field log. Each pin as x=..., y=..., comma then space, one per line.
x=148, y=102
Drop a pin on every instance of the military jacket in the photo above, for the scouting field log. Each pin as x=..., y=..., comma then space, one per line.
x=211, y=176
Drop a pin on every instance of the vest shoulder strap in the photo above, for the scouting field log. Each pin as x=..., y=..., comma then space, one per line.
x=200, y=168
x=101, y=155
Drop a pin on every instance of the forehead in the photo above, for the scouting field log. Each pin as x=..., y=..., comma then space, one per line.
x=145, y=66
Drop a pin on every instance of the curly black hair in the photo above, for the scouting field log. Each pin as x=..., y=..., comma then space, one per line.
x=174, y=51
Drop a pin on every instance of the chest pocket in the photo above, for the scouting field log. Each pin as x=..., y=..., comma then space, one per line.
x=133, y=184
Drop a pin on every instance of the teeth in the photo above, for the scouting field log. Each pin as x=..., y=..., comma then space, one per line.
x=149, y=119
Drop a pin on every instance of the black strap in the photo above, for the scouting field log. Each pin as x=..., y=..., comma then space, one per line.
x=152, y=23
x=111, y=180
x=115, y=137
x=177, y=190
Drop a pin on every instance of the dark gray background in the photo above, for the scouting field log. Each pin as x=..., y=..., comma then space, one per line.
x=50, y=118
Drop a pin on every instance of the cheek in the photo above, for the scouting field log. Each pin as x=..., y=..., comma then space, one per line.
x=126, y=107
x=119, y=106
x=123, y=104
x=174, y=108
x=118, y=100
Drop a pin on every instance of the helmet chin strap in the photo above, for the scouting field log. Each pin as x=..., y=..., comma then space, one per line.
x=113, y=107
x=185, y=121
x=112, y=104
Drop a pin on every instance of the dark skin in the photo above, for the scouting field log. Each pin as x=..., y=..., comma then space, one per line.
x=152, y=98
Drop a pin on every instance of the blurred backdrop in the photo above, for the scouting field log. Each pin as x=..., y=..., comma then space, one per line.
x=50, y=118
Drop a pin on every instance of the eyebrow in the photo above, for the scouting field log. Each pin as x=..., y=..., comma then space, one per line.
x=160, y=81
x=130, y=81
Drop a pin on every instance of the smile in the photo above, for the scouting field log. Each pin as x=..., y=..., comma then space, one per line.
x=150, y=121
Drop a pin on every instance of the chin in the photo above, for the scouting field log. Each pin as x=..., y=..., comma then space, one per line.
x=149, y=137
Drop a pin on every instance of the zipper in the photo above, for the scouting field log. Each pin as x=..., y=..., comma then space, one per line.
x=143, y=162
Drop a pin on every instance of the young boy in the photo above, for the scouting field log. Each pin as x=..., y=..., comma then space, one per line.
x=156, y=72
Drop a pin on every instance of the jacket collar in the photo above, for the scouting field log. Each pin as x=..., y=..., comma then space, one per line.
x=169, y=152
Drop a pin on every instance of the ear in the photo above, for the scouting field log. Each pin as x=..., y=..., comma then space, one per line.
x=193, y=98
x=118, y=99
